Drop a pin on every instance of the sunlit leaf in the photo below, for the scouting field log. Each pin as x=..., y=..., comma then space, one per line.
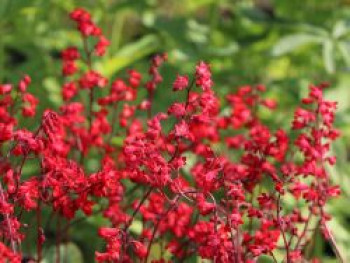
x=224, y=51
x=292, y=42
x=340, y=29
x=341, y=238
x=129, y=54
x=193, y=5
x=136, y=227
x=53, y=90
x=312, y=29
x=328, y=56
x=68, y=252
x=117, y=141
x=344, y=49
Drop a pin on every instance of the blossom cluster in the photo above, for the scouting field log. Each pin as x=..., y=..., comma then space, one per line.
x=201, y=180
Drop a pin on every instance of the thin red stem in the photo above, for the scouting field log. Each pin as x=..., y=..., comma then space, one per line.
x=286, y=244
x=157, y=225
x=8, y=222
x=58, y=239
x=39, y=232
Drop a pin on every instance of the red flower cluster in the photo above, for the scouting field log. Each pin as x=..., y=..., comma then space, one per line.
x=210, y=182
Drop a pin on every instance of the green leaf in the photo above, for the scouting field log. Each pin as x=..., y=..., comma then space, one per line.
x=344, y=50
x=197, y=33
x=68, y=251
x=340, y=29
x=137, y=6
x=265, y=259
x=117, y=141
x=328, y=56
x=340, y=93
x=313, y=30
x=129, y=54
x=228, y=50
x=136, y=227
x=54, y=90
x=292, y=42
x=158, y=249
x=3, y=7
x=342, y=238
x=193, y=5
x=201, y=260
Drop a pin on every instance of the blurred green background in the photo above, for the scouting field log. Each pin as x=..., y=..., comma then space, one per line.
x=284, y=44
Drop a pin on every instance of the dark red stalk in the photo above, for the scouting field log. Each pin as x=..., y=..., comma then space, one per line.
x=8, y=223
x=176, y=198
x=305, y=230
x=39, y=232
x=150, y=99
x=142, y=201
x=281, y=226
x=58, y=239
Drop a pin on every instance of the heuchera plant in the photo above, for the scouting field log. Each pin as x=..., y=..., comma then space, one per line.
x=229, y=204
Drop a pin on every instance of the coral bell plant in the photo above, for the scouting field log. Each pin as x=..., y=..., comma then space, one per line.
x=202, y=181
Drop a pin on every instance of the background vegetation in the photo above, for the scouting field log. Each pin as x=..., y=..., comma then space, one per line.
x=284, y=44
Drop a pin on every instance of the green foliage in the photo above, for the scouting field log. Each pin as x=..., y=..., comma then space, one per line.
x=282, y=43
x=69, y=252
x=334, y=41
